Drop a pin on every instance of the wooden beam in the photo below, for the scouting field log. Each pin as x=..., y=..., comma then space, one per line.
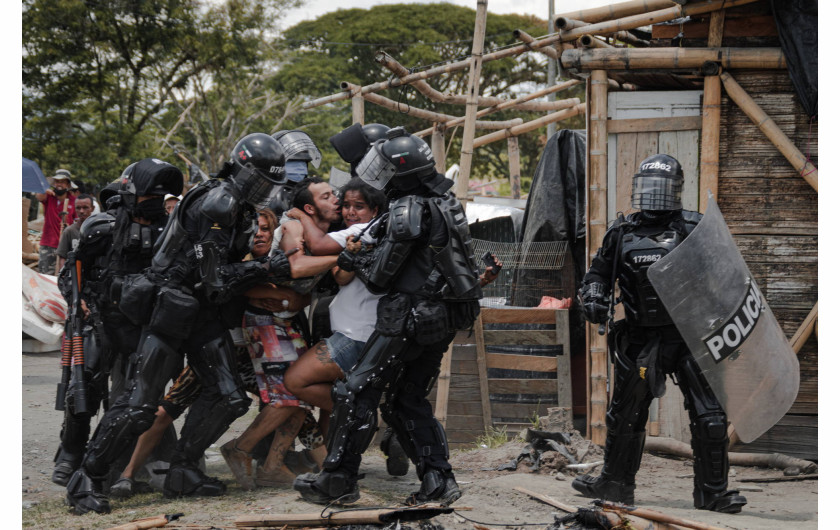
x=358, y=109
x=513, y=165
x=481, y=361
x=596, y=228
x=647, y=18
x=637, y=125
x=529, y=126
x=564, y=367
x=710, y=140
x=614, y=11
x=716, y=28
x=444, y=378
x=439, y=147
x=805, y=168
x=473, y=90
x=671, y=58
x=492, y=315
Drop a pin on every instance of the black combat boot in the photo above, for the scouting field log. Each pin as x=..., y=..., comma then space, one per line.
x=617, y=482
x=84, y=493
x=396, y=461
x=327, y=487
x=184, y=479
x=437, y=486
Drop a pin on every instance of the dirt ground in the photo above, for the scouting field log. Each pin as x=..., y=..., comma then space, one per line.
x=488, y=497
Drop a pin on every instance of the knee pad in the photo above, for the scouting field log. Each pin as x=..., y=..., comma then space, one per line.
x=116, y=431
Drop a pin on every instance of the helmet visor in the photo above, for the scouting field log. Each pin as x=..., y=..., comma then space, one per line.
x=654, y=192
x=256, y=188
x=375, y=169
x=298, y=145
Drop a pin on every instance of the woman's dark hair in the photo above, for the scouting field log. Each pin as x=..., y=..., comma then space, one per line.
x=374, y=198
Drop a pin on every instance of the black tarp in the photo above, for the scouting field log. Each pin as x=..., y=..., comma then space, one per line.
x=796, y=22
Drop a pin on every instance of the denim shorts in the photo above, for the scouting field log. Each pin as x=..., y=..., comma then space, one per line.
x=344, y=350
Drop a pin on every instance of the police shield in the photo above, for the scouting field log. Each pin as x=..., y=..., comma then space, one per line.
x=723, y=317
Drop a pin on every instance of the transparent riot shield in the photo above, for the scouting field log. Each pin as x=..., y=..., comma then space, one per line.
x=723, y=317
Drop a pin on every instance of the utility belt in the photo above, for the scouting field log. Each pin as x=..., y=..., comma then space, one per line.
x=425, y=320
x=167, y=310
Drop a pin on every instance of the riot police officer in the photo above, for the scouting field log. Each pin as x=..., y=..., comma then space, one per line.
x=424, y=266
x=114, y=245
x=647, y=345
x=184, y=300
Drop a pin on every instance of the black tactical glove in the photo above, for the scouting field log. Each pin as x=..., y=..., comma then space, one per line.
x=347, y=261
x=278, y=266
x=596, y=305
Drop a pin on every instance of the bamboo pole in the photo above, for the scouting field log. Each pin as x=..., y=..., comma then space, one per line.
x=358, y=109
x=473, y=89
x=529, y=126
x=597, y=217
x=439, y=97
x=805, y=329
x=716, y=28
x=439, y=147
x=656, y=516
x=513, y=164
x=710, y=141
x=611, y=12
x=563, y=103
x=671, y=58
x=648, y=18
x=551, y=53
x=805, y=168
x=437, y=117
x=588, y=41
x=565, y=24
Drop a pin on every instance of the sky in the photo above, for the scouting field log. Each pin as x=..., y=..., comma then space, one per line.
x=315, y=8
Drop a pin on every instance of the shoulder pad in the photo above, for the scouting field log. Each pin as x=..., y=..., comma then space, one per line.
x=221, y=204
x=405, y=218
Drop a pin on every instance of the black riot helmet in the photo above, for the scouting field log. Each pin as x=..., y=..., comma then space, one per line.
x=354, y=142
x=257, y=168
x=399, y=161
x=109, y=191
x=299, y=150
x=149, y=176
x=96, y=233
x=658, y=184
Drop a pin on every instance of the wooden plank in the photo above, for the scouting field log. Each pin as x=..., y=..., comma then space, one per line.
x=522, y=386
x=673, y=418
x=793, y=436
x=466, y=422
x=442, y=396
x=519, y=410
x=465, y=368
x=466, y=437
x=492, y=315
x=461, y=352
x=564, y=370
x=465, y=408
x=522, y=362
x=482, y=370
x=682, y=145
x=625, y=169
x=637, y=125
x=530, y=336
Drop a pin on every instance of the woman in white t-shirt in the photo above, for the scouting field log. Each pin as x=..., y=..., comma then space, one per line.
x=352, y=311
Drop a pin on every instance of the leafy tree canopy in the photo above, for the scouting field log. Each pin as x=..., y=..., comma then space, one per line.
x=341, y=45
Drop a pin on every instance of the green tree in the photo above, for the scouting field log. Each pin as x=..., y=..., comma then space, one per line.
x=340, y=46
x=98, y=76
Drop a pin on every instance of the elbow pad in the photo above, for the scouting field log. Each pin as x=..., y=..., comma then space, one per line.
x=236, y=279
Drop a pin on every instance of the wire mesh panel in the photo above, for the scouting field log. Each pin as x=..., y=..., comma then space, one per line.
x=529, y=271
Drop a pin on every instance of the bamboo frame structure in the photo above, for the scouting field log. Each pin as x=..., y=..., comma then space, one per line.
x=551, y=53
x=529, y=126
x=462, y=185
x=671, y=58
x=805, y=168
x=439, y=97
x=613, y=11
x=588, y=41
x=565, y=24
x=710, y=139
x=597, y=227
x=563, y=103
x=437, y=117
x=648, y=18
